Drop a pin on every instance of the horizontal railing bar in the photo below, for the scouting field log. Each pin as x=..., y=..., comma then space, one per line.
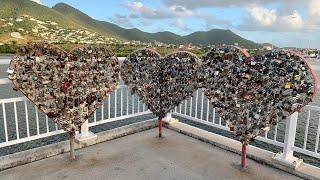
x=31, y=138
x=201, y=121
x=266, y=140
x=52, y=133
x=270, y=141
x=4, y=61
x=312, y=108
x=5, y=81
x=118, y=118
x=307, y=152
x=12, y=100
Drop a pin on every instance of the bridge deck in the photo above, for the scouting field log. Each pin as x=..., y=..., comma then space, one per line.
x=144, y=156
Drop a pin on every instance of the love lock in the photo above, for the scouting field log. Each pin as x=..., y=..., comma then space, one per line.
x=40, y=68
x=267, y=94
x=162, y=83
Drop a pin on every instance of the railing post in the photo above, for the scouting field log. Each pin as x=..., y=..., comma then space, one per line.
x=85, y=134
x=169, y=120
x=286, y=157
x=168, y=116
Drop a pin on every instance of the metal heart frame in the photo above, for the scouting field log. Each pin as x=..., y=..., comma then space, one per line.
x=68, y=87
x=254, y=93
x=161, y=82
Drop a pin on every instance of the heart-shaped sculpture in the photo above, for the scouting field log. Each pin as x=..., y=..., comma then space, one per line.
x=254, y=93
x=68, y=87
x=161, y=83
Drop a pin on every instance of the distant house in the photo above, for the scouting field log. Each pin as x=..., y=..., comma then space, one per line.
x=16, y=35
x=186, y=46
x=268, y=48
x=312, y=55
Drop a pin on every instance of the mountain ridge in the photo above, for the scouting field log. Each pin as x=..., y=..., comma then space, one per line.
x=69, y=16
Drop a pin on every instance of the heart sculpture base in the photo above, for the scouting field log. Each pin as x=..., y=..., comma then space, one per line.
x=169, y=120
x=85, y=139
x=292, y=163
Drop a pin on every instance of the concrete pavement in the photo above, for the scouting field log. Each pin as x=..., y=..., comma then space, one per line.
x=144, y=156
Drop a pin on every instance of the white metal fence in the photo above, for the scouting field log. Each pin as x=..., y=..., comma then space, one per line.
x=119, y=105
x=198, y=109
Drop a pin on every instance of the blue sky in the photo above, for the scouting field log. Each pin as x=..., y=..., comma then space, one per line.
x=284, y=24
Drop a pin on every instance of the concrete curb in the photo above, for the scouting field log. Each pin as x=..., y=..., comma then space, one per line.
x=24, y=157
x=262, y=156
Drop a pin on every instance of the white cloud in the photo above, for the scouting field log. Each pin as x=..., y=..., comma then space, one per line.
x=181, y=11
x=179, y=23
x=293, y=20
x=37, y=1
x=263, y=16
x=283, y=17
x=194, y=4
x=264, y=19
x=312, y=21
x=173, y=11
x=314, y=8
x=158, y=13
x=147, y=12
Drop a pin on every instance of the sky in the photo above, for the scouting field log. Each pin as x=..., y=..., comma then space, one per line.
x=281, y=22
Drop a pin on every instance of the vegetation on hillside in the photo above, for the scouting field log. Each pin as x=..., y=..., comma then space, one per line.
x=16, y=8
x=212, y=37
x=68, y=27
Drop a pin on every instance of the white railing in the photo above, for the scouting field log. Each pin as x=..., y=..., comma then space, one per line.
x=307, y=125
x=113, y=109
x=17, y=130
x=300, y=134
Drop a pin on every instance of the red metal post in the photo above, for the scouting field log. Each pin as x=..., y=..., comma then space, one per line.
x=244, y=156
x=160, y=126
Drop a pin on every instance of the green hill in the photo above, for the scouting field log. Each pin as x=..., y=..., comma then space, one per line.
x=81, y=18
x=69, y=17
x=112, y=30
x=16, y=8
x=214, y=36
x=219, y=36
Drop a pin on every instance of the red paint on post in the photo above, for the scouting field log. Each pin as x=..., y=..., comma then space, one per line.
x=244, y=156
x=160, y=127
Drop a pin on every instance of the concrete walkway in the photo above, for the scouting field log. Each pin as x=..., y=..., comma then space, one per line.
x=144, y=156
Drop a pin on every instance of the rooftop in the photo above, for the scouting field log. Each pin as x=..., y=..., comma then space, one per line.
x=145, y=156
